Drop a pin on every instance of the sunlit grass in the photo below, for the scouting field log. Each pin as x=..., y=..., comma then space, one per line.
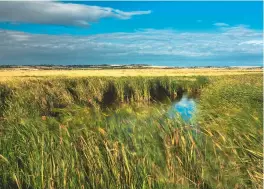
x=59, y=134
x=16, y=73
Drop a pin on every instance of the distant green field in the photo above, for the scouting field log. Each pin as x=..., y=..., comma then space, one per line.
x=114, y=132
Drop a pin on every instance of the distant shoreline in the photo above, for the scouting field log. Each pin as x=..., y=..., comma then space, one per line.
x=139, y=66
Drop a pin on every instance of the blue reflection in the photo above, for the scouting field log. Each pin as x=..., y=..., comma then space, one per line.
x=184, y=108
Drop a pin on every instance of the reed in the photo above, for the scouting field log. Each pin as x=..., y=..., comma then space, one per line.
x=66, y=133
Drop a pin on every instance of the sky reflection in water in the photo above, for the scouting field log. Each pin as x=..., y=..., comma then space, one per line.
x=185, y=108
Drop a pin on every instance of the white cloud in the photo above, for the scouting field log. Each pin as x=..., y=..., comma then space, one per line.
x=230, y=46
x=59, y=13
x=253, y=42
x=221, y=24
x=17, y=36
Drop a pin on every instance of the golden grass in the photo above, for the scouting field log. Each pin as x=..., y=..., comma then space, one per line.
x=6, y=74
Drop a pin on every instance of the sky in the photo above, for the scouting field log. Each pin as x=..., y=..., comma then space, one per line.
x=156, y=33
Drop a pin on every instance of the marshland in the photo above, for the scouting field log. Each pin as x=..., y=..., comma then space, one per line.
x=131, y=94
x=176, y=131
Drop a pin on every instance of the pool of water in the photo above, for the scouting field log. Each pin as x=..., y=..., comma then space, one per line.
x=184, y=108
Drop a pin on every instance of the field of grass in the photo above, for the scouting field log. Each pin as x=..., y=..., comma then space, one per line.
x=114, y=132
x=26, y=73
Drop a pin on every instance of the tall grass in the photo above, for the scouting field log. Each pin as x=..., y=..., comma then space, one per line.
x=44, y=95
x=59, y=134
x=232, y=114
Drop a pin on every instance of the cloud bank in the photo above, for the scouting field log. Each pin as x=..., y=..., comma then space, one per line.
x=238, y=45
x=57, y=13
x=221, y=24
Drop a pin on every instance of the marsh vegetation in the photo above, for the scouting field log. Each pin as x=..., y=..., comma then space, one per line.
x=108, y=132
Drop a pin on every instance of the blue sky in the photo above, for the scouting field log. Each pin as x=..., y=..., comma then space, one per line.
x=156, y=33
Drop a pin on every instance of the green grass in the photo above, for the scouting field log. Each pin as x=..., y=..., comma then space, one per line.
x=107, y=133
